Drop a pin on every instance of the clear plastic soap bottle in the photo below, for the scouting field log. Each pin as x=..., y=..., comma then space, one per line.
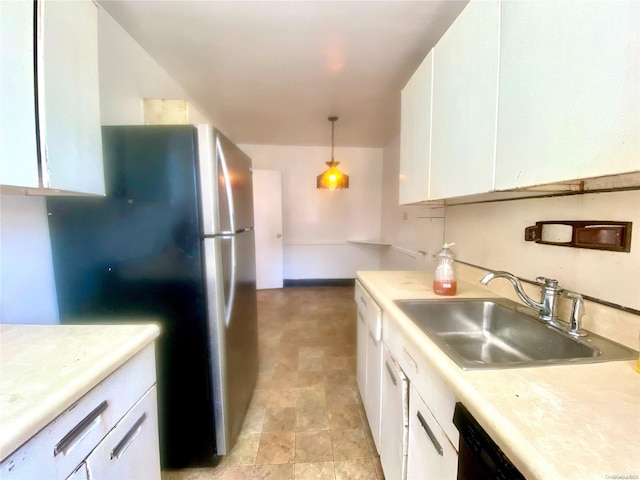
x=444, y=282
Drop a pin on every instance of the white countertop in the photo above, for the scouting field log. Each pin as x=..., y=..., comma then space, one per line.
x=553, y=422
x=46, y=368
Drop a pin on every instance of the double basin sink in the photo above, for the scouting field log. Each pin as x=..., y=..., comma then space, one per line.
x=498, y=333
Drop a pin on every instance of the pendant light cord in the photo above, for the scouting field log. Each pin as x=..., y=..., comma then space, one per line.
x=333, y=124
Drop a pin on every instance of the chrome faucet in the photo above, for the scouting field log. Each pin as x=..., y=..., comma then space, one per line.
x=548, y=305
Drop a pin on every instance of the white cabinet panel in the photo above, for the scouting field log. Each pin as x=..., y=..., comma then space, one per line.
x=130, y=450
x=59, y=449
x=395, y=419
x=18, y=153
x=569, y=91
x=465, y=76
x=431, y=455
x=372, y=355
x=68, y=96
x=361, y=359
x=415, y=136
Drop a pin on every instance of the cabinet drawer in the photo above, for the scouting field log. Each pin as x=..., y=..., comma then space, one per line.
x=58, y=449
x=370, y=310
x=130, y=450
x=431, y=455
x=423, y=378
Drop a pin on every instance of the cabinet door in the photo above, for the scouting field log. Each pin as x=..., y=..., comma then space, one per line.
x=130, y=450
x=18, y=153
x=372, y=403
x=68, y=96
x=465, y=76
x=415, y=135
x=431, y=456
x=361, y=360
x=569, y=95
x=395, y=419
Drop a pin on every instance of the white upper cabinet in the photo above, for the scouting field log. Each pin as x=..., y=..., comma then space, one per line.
x=69, y=103
x=415, y=137
x=66, y=97
x=18, y=151
x=569, y=91
x=465, y=87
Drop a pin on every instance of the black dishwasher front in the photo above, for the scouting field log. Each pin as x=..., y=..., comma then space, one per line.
x=479, y=458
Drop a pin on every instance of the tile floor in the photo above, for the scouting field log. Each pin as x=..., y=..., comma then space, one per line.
x=306, y=420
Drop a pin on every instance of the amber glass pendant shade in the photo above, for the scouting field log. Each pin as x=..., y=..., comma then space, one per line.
x=332, y=178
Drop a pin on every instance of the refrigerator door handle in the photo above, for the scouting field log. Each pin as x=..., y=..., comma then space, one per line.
x=227, y=185
x=232, y=283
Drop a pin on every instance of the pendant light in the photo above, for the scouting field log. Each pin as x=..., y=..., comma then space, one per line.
x=332, y=178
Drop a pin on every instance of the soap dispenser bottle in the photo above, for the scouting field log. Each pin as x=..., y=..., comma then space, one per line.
x=444, y=282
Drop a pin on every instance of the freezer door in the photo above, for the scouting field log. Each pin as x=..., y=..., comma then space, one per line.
x=235, y=186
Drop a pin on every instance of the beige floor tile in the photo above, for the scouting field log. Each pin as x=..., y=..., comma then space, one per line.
x=314, y=471
x=283, y=397
x=355, y=470
x=284, y=378
x=273, y=472
x=342, y=396
x=344, y=417
x=312, y=397
x=313, y=364
x=253, y=420
x=244, y=451
x=276, y=448
x=349, y=444
x=313, y=447
x=310, y=379
x=260, y=397
x=279, y=419
x=377, y=466
x=312, y=418
x=233, y=473
x=311, y=352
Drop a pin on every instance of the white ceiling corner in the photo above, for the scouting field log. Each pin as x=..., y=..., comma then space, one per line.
x=273, y=71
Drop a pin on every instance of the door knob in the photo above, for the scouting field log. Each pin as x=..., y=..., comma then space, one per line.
x=279, y=236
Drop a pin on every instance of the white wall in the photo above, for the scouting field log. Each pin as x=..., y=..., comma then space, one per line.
x=491, y=235
x=409, y=228
x=318, y=223
x=128, y=74
x=27, y=288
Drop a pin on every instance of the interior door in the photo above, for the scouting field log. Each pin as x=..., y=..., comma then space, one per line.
x=267, y=201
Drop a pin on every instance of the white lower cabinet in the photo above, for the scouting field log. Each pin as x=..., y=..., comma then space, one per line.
x=130, y=449
x=395, y=419
x=370, y=352
x=73, y=445
x=430, y=454
x=361, y=359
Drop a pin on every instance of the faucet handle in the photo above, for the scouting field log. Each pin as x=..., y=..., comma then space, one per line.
x=577, y=312
x=547, y=282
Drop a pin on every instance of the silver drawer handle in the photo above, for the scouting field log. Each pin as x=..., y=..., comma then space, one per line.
x=75, y=433
x=133, y=432
x=393, y=377
x=360, y=315
x=430, y=434
x=363, y=301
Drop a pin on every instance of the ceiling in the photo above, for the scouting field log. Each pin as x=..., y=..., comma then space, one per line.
x=271, y=72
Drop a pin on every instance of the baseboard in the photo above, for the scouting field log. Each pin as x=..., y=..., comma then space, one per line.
x=320, y=282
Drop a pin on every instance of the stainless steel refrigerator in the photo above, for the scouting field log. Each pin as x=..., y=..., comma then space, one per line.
x=171, y=242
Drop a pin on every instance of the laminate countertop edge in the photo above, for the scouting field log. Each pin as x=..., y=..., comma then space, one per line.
x=44, y=369
x=568, y=421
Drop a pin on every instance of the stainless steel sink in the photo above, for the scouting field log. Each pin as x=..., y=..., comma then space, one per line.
x=496, y=333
